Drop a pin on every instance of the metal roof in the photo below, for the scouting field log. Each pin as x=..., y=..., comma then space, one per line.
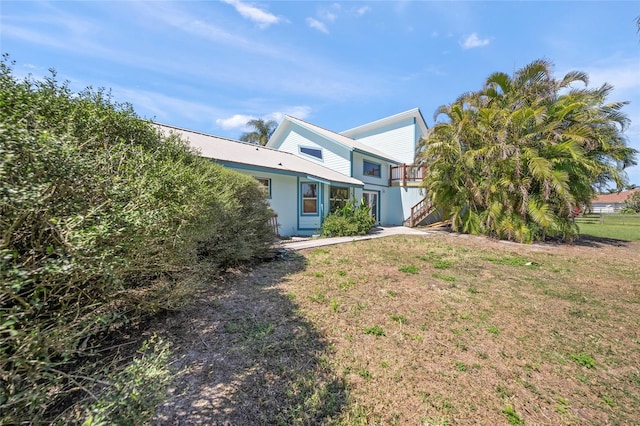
x=252, y=155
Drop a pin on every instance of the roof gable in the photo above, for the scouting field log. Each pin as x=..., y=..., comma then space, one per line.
x=387, y=121
x=328, y=135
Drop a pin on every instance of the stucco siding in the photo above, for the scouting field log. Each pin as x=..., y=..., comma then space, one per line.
x=398, y=140
x=334, y=156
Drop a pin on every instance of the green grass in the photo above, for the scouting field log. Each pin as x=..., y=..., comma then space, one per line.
x=516, y=334
x=615, y=226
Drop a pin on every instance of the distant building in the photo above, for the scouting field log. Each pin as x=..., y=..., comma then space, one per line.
x=611, y=203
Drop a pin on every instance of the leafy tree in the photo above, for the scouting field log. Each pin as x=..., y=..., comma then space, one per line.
x=513, y=159
x=632, y=203
x=261, y=133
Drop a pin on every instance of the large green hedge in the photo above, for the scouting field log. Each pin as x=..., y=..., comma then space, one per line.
x=102, y=221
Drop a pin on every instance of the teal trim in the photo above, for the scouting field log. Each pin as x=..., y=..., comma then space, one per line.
x=351, y=161
x=321, y=207
x=343, y=185
x=297, y=203
x=315, y=179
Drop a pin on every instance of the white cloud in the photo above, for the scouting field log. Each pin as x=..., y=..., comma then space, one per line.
x=623, y=77
x=330, y=13
x=362, y=10
x=298, y=111
x=257, y=15
x=314, y=23
x=474, y=41
x=236, y=121
x=239, y=121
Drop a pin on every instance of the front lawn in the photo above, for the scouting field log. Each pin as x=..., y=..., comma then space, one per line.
x=465, y=330
x=409, y=330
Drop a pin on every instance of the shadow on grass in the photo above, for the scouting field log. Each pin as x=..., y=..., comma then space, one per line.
x=243, y=355
x=595, y=242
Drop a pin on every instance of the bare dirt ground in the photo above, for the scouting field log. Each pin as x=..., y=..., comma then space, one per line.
x=246, y=357
x=469, y=331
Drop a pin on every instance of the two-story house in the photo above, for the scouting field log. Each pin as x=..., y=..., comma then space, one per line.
x=307, y=170
x=380, y=154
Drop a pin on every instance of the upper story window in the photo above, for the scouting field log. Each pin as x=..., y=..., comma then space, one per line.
x=313, y=152
x=371, y=169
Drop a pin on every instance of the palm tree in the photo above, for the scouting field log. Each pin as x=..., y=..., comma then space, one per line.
x=514, y=159
x=261, y=133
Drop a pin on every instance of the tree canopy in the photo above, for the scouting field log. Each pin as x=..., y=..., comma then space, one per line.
x=514, y=159
x=263, y=129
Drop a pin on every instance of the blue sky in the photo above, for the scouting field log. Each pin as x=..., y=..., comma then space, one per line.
x=211, y=66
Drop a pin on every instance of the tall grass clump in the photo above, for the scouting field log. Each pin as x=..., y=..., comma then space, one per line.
x=103, y=221
x=351, y=219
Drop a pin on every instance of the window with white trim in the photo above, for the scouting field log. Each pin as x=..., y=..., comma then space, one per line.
x=309, y=198
x=312, y=152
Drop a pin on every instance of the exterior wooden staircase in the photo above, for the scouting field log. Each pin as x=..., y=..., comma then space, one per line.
x=419, y=213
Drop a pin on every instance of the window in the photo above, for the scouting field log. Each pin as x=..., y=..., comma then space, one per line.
x=313, y=152
x=371, y=169
x=338, y=197
x=309, y=198
x=266, y=184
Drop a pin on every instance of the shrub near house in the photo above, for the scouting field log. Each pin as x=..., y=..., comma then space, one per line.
x=351, y=219
x=99, y=218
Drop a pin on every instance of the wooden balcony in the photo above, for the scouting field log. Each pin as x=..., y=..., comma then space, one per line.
x=406, y=175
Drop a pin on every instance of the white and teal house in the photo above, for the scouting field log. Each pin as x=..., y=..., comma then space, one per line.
x=307, y=170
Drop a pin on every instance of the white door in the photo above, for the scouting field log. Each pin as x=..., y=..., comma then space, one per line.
x=371, y=199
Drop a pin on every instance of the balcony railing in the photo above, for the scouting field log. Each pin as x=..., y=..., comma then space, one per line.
x=406, y=173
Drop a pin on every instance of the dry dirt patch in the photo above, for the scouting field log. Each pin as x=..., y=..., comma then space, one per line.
x=245, y=356
x=441, y=329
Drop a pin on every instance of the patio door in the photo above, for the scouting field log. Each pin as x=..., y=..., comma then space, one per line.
x=371, y=198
